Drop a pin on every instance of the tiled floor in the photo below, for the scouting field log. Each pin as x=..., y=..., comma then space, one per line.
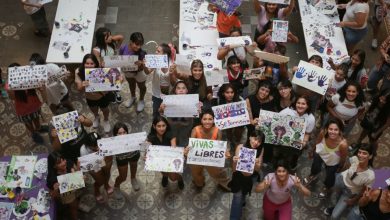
x=158, y=20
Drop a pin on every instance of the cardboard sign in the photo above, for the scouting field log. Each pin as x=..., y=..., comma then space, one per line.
x=125, y=62
x=312, y=77
x=27, y=77
x=207, y=152
x=121, y=144
x=103, y=79
x=275, y=58
x=216, y=77
x=156, y=61
x=279, y=31
x=185, y=106
x=71, y=181
x=231, y=115
x=91, y=162
x=234, y=42
x=227, y=6
x=66, y=126
x=247, y=159
x=164, y=159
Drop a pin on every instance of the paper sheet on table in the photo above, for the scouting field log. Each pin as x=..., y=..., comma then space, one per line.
x=21, y=171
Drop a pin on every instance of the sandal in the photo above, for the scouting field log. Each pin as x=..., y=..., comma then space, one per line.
x=110, y=190
x=99, y=198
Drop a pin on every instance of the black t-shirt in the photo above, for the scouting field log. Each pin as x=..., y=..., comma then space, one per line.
x=256, y=105
x=166, y=140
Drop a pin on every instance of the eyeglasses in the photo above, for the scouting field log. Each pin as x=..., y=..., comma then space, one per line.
x=354, y=175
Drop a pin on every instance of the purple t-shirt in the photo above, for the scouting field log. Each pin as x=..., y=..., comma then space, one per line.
x=276, y=194
x=125, y=50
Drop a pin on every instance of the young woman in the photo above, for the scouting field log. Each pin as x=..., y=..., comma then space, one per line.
x=262, y=100
x=356, y=70
x=56, y=166
x=107, y=45
x=162, y=80
x=285, y=96
x=160, y=134
x=351, y=183
x=277, y=197
x=207, y=130
x=123, y=160
x=347, y=105
x=95, y=100
x=28, y=109
x=101, y=177
x=377, y=119
x=331, y=150
x=235, y=74
x=38, y=16
x=181, y=127
x=374, y=204
x=136, y=78
x=242, y=182
x=300, y=109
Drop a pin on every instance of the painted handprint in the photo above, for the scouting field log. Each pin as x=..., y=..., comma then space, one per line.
x=300, y=73
x=312, y=76
x=322, y=80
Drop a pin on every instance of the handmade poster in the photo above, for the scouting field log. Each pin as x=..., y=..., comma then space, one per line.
x=71, y=181
x=91, y=162
x=231, y=115
x=59, y=74
x=275, y=58
x=121, y=144
x=283, y=2
x=27, y=77
x=103, y=79
x=41, y=166
x=227, y=6
x=246, y=161
x=125, y=62
x=279, y=31
x=183, y=63
x=3, y=171
x=234, y=42
x=256, y=73
x=185, y=106
x=192, y=39
x=283, y=130
x=206, y=152
x=216, y=77
x=6, y=210
x=21, y=171
x=42, y=203
x=388, y=182
x=66, y=126
x=156, y=61
x=164, y=159
x=312, y=77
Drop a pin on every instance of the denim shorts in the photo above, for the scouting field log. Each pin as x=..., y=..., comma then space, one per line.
x=354, y=36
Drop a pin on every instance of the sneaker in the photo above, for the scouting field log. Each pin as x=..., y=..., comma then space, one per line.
x=164, y=181
x=140, y=106
x=181, y=184
x=374, y=43
x=328, y=211
x=130, y=102
x=134, y=183
x=118, y=97
x=110, y=190
x=37, y=138
x=96, y=122
x=322, y=195
x=106, y=126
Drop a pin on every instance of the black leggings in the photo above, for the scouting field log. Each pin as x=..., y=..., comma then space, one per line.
x=316, y=167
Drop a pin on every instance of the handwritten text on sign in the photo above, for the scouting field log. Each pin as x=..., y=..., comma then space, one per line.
x=121, y=144
x=156, y=61
x=207, y=152
x=231, y=115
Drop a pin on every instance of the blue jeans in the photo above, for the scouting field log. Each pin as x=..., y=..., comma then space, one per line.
x=353, y=36
x=156, y=105
x=343, y=194
x=237, y=203
x=376, y=75
x=354, y=214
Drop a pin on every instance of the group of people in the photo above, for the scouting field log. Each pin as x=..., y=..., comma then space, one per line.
x=329, y=119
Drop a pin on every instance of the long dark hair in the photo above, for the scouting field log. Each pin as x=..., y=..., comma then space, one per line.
x=294, y=105
x=317, y=58
x=153, y=131
x=22, y=95
x=384, y=112
x=223, y=89
x=362, y=56
x=335, y=121
x=118, y=126
x=360, y=96
x=285, y=83
x=257, y=134
x=370, y=149
x=82, y=67
x=173, y=91
x=202, y=80
x=100, y=36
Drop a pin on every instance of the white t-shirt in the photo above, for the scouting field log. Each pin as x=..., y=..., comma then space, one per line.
x=109, y=52
x=309, y=118
x=357, y=7
x=240, y=53
x=29, y=9
x=365, y=178
x=346, y=109
x=159, y=79
x=85, y=150
x=56, y=90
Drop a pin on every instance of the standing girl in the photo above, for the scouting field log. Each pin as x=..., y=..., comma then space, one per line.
x=160, y=134
x=235, y=74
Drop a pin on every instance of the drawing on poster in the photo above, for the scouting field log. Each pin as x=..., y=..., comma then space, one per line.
x=216, y=77
x=3, y=171
x=231, y=115
x=66, y=126
x=41, y=166
x=207, y=152
x=27, y=77
x=126, y=63
x=91, y=162
x=185, y=106
x=164, y=159
x=256, y=73
x=227, y=6
x=246, y=161
x=21, y=171
x=279, y=31
x=6, y=210
x=312, y=77
x=71, y=181
x=283, y=130
x=234, y=42
x=156, y=61
x=121, y=144
x=42, y=203
x=103, y=79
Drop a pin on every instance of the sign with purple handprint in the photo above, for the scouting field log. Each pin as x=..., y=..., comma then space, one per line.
x=312, y=77
x=246, y=161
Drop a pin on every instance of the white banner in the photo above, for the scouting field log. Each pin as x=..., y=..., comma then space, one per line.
x=71, y=181
x=91, y=162
x=164, y=159
x=216, y=77
x=121, y=144
x=206, y=152
x=125, y=62
x=185, y=106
